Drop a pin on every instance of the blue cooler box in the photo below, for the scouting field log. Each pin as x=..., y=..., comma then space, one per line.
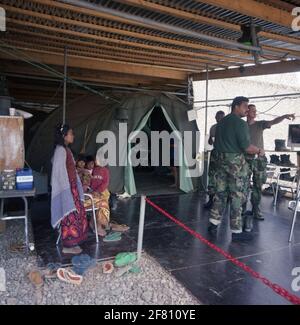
x=24, y=179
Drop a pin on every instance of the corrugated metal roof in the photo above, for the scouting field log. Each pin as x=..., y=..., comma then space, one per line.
x=50, y=25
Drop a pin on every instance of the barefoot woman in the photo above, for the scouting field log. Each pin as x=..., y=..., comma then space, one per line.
x=67, y=194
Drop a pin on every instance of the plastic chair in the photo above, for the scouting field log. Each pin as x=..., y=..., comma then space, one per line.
x=93, y=209
x=274, y=174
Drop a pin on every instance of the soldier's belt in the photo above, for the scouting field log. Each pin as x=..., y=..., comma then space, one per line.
x=254, y=157
x=228, y=154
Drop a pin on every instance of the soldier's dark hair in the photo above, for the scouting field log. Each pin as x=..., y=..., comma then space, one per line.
x=220, y=113
x=238, y=101
x=251, y=105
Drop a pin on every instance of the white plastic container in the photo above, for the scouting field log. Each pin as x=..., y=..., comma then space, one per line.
x=12, y=111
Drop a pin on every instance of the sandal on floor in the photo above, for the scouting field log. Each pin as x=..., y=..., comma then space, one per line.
x=107, y=267
x=118, y=227
x=123, y=259
x=68, y=276
x=101, y=231
x=36, y=278
x=114, y=236
x=123, y=270
x=51, y=269
x=72, y=250
x=16, y=248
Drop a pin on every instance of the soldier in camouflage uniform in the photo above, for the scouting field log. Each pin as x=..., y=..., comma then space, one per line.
x=258, y=165
x=231, y=143
x=257, y=170
x=213, y=161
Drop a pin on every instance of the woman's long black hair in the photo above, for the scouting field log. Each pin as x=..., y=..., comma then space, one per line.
x=61, y=131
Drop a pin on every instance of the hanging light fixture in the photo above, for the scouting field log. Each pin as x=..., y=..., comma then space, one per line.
x=247, y=36
x=250, y=38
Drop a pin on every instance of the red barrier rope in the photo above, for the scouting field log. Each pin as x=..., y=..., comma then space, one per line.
x=275, y=287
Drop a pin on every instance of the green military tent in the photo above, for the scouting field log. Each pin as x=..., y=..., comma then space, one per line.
x=89, y=115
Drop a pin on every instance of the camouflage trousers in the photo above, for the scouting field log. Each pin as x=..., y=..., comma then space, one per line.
x=212, y=173
x=232, y=170
x=257, y=170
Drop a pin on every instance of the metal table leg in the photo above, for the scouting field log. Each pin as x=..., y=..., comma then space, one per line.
x=2, y=208
x=26, y=221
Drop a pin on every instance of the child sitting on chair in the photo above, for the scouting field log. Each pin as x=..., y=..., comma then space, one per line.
x=84, y=173
x=99, y=180
x=99, y=191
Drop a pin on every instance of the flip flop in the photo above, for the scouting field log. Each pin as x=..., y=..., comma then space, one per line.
x=16, y=248
x=71, y=250
x=123, y=259
x=128, y=269
x=119, y=227
x=81, y=263
x=107, y=267
x=36, y=279
x=51, y=269
x=123, y=270
x=114, y=236
x=68, y=276
x=135, y=269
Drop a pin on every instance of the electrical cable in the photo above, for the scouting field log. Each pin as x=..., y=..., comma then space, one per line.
x=48, y=69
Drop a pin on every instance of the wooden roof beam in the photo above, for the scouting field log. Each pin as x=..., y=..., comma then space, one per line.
x=188, y=44
x=23, y=45
x=147, y=54
x=132, y=44
x=279, y=4
x=255, y=9
x=156, y=59
x=100, y=64
x=198, y=18
x=262, y=69
x=17, y=68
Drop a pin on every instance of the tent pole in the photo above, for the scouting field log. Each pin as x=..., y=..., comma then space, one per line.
x=206, y=109
x=206, y=99
x=65, y=85
x=141, y=227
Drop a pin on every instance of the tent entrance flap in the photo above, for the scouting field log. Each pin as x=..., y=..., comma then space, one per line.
x=185, y=182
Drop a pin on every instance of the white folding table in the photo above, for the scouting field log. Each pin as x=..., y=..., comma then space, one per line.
x=14, y=194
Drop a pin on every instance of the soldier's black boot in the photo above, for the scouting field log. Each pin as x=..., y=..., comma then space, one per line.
x=209, y=203
x=287, y=161
x=212, y=229
x=257, y=214
x=275, y=160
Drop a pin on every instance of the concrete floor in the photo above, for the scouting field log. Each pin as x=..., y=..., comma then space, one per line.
x=204, y=272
